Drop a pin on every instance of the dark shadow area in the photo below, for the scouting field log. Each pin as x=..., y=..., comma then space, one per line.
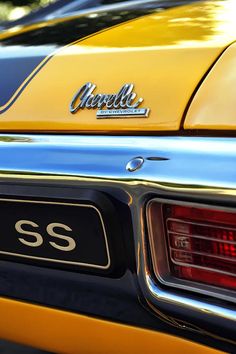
x=13, y=348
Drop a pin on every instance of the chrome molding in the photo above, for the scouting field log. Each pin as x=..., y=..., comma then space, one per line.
x=159, y=247
x=188, y=303
x=181, y=168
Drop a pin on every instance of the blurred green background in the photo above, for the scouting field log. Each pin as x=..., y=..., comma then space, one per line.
x=14, y=9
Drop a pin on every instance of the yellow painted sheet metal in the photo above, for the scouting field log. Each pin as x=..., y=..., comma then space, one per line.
x=214, y=105
x=65, y=332
x=163, y=54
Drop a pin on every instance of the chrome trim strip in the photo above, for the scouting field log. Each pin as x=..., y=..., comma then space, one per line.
x=203, y=237
x=210, y=255
x=174, y=168
x=199, y=267
x=123, y=113
x=189, y=303
x=53, y=260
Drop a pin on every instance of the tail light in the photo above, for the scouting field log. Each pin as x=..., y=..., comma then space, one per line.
x=193, y=246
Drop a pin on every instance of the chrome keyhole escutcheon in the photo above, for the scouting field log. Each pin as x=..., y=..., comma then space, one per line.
x=135, y=164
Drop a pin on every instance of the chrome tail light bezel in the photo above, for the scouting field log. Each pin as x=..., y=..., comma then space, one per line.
x=158, y=243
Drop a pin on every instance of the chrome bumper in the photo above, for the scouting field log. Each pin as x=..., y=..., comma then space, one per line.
x=182, y=168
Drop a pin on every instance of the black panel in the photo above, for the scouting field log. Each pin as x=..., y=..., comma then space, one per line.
x=13, y=72
x=53, y=234
x=93, y=243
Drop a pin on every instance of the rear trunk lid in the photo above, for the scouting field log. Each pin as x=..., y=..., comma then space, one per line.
x=162, y=57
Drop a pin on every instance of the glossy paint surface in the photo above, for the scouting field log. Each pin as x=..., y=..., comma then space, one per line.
x=213, y=107
x=24, y=54
x=64, y=332
x=25, y=50
x=165, y=56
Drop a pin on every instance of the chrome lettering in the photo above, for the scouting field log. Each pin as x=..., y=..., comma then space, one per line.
x=38, y=238
x=34, y=239
x=85, y=98
x=69, y=240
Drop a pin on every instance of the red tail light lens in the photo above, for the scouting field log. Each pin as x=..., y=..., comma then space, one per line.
x=200, y=244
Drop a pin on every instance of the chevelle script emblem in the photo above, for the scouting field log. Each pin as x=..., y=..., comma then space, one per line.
x=123, y=104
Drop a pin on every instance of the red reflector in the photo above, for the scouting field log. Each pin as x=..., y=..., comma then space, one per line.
x=198, y=214
x=200, y=244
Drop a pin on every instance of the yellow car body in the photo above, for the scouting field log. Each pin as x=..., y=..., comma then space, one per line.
x=181, y=62
x=197, y=34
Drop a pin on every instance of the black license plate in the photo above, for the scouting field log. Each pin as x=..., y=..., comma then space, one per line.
x=53, y=233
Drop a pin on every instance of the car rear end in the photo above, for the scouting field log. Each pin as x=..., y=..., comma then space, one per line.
x=117, y=193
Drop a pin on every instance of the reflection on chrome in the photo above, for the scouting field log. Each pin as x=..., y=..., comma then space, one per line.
x=194, y=169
